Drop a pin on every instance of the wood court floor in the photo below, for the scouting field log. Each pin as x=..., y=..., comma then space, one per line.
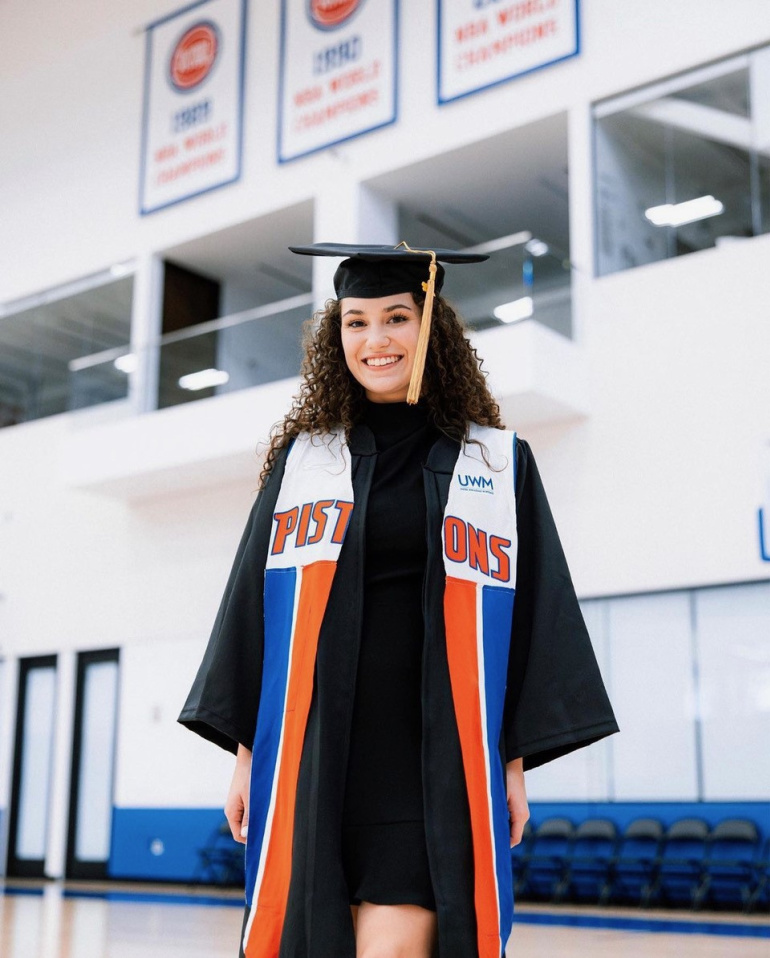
x=148, y=922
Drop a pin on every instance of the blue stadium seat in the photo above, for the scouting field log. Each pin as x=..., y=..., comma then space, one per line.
x=547, y=859
x=732, y=853
x=634, y=870
x=587, y=873
x=682, y=862
x=759, y=898
x=221, y=860
x=520, y=856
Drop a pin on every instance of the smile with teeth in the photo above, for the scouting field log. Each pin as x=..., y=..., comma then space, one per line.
x=381, y=360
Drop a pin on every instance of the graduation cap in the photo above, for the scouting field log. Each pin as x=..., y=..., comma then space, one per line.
x=369, y=272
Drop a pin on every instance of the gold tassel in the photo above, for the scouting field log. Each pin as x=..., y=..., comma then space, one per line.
x=421, y=352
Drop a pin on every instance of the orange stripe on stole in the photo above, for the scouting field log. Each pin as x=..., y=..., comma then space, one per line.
x=460, y=615
x=265, y=935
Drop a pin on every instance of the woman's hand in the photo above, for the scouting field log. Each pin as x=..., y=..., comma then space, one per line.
x=237, y=804
x=518, y=809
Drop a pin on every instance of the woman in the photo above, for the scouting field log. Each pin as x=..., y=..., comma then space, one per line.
x=369, y=665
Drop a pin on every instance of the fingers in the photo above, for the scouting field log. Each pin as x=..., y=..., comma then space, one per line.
x=517, y=831
x=237, y=804
x=518, y=807
x=234, y=813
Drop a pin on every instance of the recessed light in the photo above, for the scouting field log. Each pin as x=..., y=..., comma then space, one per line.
x=679, y=214
x=514, y=311
x=204, y=379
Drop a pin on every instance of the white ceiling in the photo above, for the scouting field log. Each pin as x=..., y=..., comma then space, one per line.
x=254, y=255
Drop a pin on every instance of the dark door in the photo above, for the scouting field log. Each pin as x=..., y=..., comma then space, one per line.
x=32, y=767
x=89, y=830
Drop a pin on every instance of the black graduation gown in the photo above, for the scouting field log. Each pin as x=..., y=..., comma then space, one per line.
x=555, y=699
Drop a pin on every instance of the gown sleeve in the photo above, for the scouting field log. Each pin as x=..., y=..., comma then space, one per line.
x=555, y=701
x=224, y=698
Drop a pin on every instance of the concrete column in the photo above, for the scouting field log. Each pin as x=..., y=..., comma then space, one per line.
x=145, y=330
x=58, y=807
x=581, y=211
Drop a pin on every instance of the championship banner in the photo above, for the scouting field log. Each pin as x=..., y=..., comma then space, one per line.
x=485, y=42
x=193, y=103
x=338, y=72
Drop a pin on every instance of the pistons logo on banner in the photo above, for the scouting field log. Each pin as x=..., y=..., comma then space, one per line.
x=328, y=14
x=194, y=56
x=193, y=102
x=338, y=72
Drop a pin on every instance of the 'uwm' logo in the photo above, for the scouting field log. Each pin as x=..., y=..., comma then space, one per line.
x=476, y=483
x=308, y=524
x=483, y=552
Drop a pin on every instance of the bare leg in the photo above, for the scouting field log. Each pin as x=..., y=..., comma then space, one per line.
x=394, y=931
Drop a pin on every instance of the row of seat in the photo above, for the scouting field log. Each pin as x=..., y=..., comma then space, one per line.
x=688, y=863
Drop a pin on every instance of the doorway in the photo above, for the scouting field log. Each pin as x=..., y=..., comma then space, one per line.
x=32, y=767
x=89, y=831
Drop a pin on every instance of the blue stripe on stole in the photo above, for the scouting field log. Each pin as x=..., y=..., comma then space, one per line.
x=497, y=613
x=280, y=588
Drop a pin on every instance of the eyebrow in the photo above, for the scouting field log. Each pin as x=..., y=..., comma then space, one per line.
x=388, y=309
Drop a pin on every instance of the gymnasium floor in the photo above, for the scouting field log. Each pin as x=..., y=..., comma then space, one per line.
x=79, y=920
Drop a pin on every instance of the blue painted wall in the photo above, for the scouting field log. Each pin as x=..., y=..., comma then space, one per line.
x=163, y=844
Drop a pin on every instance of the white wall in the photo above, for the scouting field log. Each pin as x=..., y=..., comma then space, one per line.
x=72, y=91
x=160, y=765
x=656, y=488
x=659, y=486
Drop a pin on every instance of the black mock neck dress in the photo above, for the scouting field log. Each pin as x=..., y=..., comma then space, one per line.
x=383, y=835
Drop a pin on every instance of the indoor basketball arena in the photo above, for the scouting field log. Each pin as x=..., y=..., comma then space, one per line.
x=224, y=230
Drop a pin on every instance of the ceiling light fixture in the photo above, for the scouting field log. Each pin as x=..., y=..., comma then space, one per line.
x=204, y=379
x=679, y=214
x=536, y=247
x=514, y=311
x=127, y=363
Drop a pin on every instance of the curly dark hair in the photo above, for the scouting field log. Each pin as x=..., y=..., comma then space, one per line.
x=453, y=387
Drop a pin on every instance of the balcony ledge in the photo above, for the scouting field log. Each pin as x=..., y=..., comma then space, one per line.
x=538, y=376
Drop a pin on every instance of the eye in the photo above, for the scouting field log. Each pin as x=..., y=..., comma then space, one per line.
x=354, y=323
x=399, y=318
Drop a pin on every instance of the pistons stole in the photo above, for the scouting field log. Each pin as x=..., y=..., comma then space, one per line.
x=309, y=525
x=480, y=546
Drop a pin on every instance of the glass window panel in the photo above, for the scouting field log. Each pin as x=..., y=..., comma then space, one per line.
x=94, y=811
x=706, y=140
x=706, y=167
x=6, y=740
x=728, y=93
x=653, y=697
x=734, y=660
x=38, y=344
x=35, y=784
x=584, y=775
x=763, y=189
x=630, y=178
x=251, y=353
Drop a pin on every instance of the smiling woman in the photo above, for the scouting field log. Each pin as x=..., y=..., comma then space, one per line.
x=379, y=339
x=383, y=691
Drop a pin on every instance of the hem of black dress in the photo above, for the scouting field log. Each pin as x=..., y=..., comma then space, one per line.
x=396, y=900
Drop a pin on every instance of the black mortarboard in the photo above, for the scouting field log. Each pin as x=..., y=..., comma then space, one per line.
x=370, y=272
